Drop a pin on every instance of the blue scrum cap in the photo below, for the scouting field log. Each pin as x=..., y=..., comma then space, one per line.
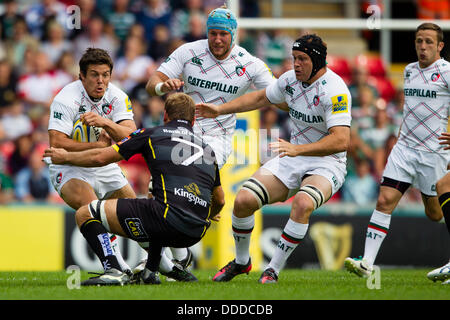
x=222, y=19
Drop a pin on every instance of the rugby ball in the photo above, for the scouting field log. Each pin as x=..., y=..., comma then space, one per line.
x=84, y=133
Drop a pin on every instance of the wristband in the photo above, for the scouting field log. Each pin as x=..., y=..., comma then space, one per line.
x=158, y=90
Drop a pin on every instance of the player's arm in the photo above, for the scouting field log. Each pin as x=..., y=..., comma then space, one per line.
x=59, y=139
x=248, y=102
x=97, y=157
x=117, y=131
x=159, y=84
x=337, y=141
x=217, y=203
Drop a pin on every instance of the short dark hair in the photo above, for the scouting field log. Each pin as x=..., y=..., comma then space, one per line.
x=180, y=106
x=431, y=26
x=95, y=56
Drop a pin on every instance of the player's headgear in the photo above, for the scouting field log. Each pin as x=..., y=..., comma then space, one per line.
x=315, y=48
x=222, y=19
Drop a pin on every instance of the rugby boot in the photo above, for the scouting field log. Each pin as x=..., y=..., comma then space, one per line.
x=231, y=270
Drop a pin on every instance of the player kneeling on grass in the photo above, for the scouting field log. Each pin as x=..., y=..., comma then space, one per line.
x=185, y=189
x=313, y=162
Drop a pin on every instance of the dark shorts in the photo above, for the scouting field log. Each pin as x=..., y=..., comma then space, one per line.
x=143, y=220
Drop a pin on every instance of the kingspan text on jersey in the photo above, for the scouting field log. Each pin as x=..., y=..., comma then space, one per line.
x=212, y=85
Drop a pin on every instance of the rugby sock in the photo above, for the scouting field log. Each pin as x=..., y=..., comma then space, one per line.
x=376, y=232
x=444, y=201
x=166, y=265
x=242, y=231
x=179, y=253
x=155, y=251
x=97, y=237
x=115, y=246
x=292, y=235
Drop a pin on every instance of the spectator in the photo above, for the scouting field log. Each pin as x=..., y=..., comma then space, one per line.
x=33, y=183
x=121, y=19
x=196, y=28
x=180, y=24
x=21, y=152
x=67, y=64
x=6, y=184
x=87, y=12
x=363, y=116
x=377, y=136
x=274, y=47
x=153, y=13
x=433, y=9
x=8, y=18
x=56, y=44
x=40, y=14
x=153, y=113
x=159, y=47
x=360, y=188
x=17, y=46
x=15, y=122
x=8, y=83
x=360, y=78
x=94, y=37
x=247, y=40
x=134, y=67
x=38, y=87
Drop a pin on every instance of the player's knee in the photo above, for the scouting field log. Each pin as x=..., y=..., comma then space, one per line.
x=384, y=202
x=82, y=215
x=434, y=214
x=443, y=185
x=244, y=203
x=302, y=206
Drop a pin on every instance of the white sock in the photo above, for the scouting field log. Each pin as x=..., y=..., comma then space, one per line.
x=179, y=253
x=376, y=232
x=292, y=234
x=242, y=231
x=115, y=246
x=165, y=265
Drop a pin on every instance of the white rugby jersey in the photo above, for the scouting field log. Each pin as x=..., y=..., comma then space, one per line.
x=208, y=80
x=315, y=108
x=73, y=100
x=426, y=106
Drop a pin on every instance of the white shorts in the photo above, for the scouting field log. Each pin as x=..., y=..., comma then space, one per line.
x=419, y=168
x=221, y=145
x=104, y=180
x=291, y=170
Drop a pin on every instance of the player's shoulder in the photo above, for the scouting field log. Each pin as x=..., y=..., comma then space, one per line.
x=411, y=66
x=288, y=75
x=333, y=85
x=69, y=92
x=443, y=64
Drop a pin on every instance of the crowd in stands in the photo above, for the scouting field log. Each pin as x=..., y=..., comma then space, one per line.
x=39, y=55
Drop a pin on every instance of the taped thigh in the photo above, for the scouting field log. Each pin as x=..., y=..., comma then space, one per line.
x=258, y=190
x=314, y=193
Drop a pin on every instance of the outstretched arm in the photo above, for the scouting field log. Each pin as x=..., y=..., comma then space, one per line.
x=97, y=157
x=248, y=102
x=159, y=84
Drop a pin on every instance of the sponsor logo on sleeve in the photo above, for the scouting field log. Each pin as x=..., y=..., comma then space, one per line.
x=339, y=104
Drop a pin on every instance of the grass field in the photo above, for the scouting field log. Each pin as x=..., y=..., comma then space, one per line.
x=395, y=284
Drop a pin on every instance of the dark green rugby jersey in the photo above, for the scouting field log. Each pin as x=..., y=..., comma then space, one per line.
x=184, y=171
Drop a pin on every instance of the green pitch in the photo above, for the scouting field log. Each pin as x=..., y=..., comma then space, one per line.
x=395, y=284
